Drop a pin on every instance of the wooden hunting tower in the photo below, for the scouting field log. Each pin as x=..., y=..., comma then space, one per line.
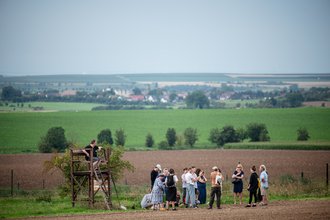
x=98, y=176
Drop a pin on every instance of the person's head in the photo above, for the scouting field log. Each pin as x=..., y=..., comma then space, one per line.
x=93, y=143
x=185, y=170
x=198, y=171
x=171, y=171
x=253, y=169
x=161, y=176
x=165, y=171
x=159, y=168
x=193, y=169
x=201, y=173
x=215, y=169
x=239, y=167
x=219, y=170
x=262, y=168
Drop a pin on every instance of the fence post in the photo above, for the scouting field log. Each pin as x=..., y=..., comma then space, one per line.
x=43, y=184
x=327, y=175
x=302, y=175
x=12, y=183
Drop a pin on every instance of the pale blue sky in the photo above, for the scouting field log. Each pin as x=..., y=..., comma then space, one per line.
x=161, y=36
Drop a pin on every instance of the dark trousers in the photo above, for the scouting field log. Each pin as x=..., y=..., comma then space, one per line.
x=215, y=191
x=184, y=193
x=253, y=193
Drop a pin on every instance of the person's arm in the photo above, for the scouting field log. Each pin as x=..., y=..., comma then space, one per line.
x=85, y=152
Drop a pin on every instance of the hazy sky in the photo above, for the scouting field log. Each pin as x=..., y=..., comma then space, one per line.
x=160, y=36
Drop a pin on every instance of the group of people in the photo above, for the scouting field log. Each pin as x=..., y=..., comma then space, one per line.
x=164, y=182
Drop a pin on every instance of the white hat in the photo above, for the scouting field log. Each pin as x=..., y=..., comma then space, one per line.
x=159, y=167
x=214, y=168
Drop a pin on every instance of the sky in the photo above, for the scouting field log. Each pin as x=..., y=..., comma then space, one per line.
x=164, y=36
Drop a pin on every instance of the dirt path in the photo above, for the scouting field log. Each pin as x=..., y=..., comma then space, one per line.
x=312, y=209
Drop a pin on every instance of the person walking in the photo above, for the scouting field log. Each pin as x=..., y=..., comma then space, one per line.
x=237, y=177
x=201, y=186
x=263, y=184
x=215, y=187
x=253, y=186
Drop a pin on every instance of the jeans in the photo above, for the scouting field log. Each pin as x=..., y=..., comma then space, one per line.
x=190, y=196
x=215, y=191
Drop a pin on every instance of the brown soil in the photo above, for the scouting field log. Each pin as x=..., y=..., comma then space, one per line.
x=28, y=167
x=277, y=210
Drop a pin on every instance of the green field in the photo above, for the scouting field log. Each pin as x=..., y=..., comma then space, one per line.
x=49, y=106
x=21, y=131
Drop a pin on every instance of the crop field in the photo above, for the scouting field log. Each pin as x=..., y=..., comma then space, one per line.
x=21, y=132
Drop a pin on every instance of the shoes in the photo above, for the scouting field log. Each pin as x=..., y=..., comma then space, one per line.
x=174, y=209
x=254, y=205
x=219, y=208
x=209, y=207
x=248, y=206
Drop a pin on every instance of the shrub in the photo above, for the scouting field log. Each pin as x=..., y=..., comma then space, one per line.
x=302, y=134
x=149, y=141
x=171, y=136
x=105, y=137
x=120, y=137
x=163, y=145
x=257, y=132
x=190, y=135
x=216, y=138
x=53, y=141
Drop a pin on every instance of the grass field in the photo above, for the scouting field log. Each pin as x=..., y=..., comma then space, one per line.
x=49, y=106
x=21, y=131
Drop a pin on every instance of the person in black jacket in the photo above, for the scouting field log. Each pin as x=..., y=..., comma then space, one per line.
x=253, y=186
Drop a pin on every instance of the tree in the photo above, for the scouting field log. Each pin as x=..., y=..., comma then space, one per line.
x=53, y=141
x=149, y=141
x=137, y=91
x=226, y=135
x=105, y=137
x=120, y=137
x=229, y=134
x=257, y=132
x=294, y=99
x=173, y=96
x=216, y=138
x=190, y=135
x=302, y=134
x=9, y=93
x=171, y=136
x=163, y=145
x=197, y=99
x=62, y=162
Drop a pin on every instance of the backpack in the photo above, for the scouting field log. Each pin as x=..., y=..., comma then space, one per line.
x=170, y=181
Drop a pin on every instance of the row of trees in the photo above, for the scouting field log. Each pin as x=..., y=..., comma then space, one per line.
x=55, y=139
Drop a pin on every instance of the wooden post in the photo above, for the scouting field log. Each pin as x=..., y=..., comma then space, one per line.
x=302, y=175
x=327, y=175
x=43, y=184
x=12, y=183
x=71, y=176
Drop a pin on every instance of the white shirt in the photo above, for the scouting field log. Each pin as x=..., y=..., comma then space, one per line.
x=184, y=182
x=264, y=179
x=189, y=178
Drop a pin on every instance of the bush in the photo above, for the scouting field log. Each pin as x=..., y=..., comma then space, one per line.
x=226, y=135
x=215, y=137
x=257, y=132
x=171, y=136
x=105, y=137
x=163, y=145
x=190, y=135
x=53, y=141
x=120, y=137
x=149, y=141
x=302, y=134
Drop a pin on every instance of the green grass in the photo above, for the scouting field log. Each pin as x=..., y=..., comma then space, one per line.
x=50, y=106
x=21, y=131
x=29, y=202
